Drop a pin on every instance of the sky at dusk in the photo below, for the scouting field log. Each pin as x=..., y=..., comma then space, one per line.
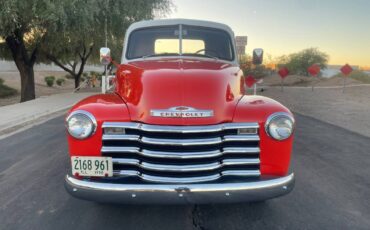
x=340, y=28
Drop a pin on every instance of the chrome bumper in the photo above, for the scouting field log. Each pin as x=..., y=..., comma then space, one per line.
x=179, y=194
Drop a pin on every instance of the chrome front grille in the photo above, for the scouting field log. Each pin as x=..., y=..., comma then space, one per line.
x=182, y=154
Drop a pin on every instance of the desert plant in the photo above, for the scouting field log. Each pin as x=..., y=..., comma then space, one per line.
x=49, y=80
x=60, y=81
x=299, y=62
x=358, y=75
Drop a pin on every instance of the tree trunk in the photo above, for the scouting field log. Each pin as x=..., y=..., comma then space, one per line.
x=24, y=63
x=27, y=82
x=77, y=80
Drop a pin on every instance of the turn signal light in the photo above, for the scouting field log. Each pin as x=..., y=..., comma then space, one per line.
x=247, y=131
x=114, y=131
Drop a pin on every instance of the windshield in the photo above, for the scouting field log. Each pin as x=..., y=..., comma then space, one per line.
x=168, y=41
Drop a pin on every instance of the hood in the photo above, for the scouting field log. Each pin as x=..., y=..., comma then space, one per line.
x=212, y=88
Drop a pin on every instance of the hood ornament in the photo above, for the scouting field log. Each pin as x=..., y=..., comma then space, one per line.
x=181, y=112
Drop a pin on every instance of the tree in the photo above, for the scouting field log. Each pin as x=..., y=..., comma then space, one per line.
x=65, y=31
x=73, y=44
x=299, y=62
x=84, y=30
x=23, y=26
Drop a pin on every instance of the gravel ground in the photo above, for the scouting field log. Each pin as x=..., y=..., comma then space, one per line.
x=12, y=79
x=295, y=80
x=349, y=110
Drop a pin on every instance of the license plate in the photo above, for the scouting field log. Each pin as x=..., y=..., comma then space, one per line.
x=92, y=166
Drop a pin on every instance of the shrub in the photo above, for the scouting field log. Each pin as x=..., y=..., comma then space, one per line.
x=60, y=81
x=297, y=63
x=360, y=76
x=49, y=80
x=6, y=91
x=357, y=75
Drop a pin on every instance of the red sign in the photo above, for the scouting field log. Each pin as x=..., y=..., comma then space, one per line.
x=250, y=81
x=314, y=70
x=283, y=72
x=346, y=69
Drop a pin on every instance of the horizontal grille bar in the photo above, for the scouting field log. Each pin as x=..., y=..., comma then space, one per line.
x=180, y=155
x=181, y=142
x=186, y=168
x=180, y=129
x=198, y=179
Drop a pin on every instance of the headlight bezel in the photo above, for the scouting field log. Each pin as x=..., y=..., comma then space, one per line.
x=87, y=115
x=274, y=116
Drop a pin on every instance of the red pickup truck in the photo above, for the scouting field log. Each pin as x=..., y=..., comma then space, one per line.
x=178, y=127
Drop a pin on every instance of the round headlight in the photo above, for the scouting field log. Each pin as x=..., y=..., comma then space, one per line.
x=280, y=126
x=81, y=124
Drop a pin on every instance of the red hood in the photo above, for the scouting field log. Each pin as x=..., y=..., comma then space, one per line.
x=162, y=84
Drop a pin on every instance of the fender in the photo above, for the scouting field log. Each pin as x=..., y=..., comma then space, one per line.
x=104, y=107
x=275, y=155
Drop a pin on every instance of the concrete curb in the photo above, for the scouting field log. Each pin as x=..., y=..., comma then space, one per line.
x=36, y=119
x=27, y=114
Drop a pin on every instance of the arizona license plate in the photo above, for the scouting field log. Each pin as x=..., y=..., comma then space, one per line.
x=92, y=166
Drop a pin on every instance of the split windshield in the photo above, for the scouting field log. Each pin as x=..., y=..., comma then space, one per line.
x=168, y=41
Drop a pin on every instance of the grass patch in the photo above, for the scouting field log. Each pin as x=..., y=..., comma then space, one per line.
x=358, y=75
x=6, y=91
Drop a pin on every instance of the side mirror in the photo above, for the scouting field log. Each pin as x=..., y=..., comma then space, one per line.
x=105, y=57
x=257, y=56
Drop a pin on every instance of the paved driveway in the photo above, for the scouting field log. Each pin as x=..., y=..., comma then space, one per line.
x=332, y=188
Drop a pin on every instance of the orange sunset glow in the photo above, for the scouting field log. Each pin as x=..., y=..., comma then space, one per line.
x=336, y=27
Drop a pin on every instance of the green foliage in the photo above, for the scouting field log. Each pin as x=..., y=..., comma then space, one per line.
x=358, y=75
x=49, y=80
x=297, y=63
x=82, y=25
x=6, y=91
x=60, y=81
x=67, y=32
x=29, y=20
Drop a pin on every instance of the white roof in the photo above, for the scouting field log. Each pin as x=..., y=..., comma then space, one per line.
x=178, y=21
x=169, y=22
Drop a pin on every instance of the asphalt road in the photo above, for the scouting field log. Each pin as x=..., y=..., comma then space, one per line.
x=332, y=167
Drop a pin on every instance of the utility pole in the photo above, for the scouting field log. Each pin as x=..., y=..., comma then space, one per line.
x=104, y=78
